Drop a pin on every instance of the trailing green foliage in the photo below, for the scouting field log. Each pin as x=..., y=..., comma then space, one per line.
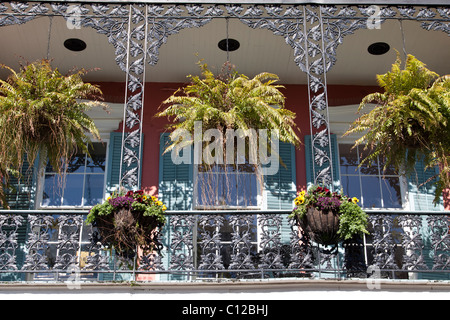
x=410, y=120
x=41, y=113
x=352, y=220
x=231, y=101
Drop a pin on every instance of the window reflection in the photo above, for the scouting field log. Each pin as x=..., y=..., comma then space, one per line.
x=83, y=181
x=227, y=186
x=374, y=185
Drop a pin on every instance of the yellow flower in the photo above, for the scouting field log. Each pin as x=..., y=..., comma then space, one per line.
x=164, y=208
x=159, y=203
x=144, y=197
x=355, y=200
x=299, y=200
x=154, y=198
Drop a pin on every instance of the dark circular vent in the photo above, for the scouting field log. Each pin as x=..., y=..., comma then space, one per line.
x=229, y=45
x=378, y=48
x=75, y=44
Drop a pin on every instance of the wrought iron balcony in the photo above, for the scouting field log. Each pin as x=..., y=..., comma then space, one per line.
x=57, y=246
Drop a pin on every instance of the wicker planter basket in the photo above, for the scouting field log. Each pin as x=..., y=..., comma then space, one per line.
x=321, y=226
x=126, y=230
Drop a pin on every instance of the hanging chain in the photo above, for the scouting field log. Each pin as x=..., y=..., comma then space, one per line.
x=49, y=36
x=228, y=51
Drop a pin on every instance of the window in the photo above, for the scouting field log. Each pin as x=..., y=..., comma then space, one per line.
x=83, y=183
x=227, y=186
x=376, y=188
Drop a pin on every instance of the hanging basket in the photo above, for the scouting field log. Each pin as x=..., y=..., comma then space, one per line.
x=321, y=226
x=125, y=230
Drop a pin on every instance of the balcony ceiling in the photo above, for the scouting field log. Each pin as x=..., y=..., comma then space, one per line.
x=260, y=50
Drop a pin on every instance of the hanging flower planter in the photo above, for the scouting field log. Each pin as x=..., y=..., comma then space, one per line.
x=322, y=226
x=129, y=221
x=328, y=217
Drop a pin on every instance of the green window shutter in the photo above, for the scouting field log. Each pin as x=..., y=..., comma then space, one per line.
x=421, y=194
x=175, y=181
x=176, y=192
x=281, y=188
x=114, y=158
x=114, y=155
x=21, y=194
x=312, y=166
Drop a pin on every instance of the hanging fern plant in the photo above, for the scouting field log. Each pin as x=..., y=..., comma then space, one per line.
x=231, y=101
x=43, y=112
x=410, y=121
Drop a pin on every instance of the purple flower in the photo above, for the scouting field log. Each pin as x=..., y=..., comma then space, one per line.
x=328, y=203
x=121, y=202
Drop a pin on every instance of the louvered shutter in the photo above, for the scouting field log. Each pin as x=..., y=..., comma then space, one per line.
x=175, y=180
x=421, y=192
x=421, y=196
x=176, y=192
x=21, y=196
x=280, y=188
x=114, y=155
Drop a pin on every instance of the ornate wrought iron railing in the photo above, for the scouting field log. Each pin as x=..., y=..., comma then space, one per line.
x=213, y=245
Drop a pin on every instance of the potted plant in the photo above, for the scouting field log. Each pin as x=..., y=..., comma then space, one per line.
x=328, y=217
x=410, y=121
x=128, y=221
x=42, y=112
x=230, y=101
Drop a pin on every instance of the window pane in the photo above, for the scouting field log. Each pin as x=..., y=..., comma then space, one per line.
x=73, y=190
x=348, y=159
x=350, y=186
x=247, y=190
x=52, y=191
x=371, y=196
x=227, y=190
x=97, y=161
x=227, y=185
x=369, y=167
x=392, y=197
x=390, y=170
x=93, y=189
x=77, y=163
x=206, y=189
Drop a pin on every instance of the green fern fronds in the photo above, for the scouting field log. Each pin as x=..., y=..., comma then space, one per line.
x=43, y=112
x=231, y=101
x=409, y=121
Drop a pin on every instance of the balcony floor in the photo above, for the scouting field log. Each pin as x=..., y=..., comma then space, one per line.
x=272, y=289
